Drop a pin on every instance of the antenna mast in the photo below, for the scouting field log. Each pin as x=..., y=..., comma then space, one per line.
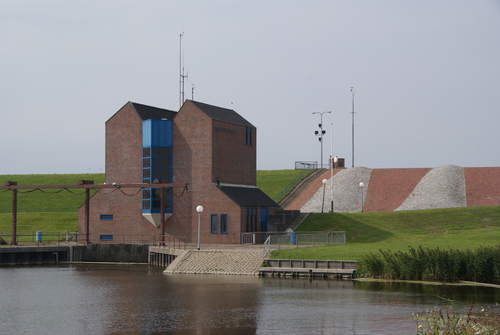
x=182, y=76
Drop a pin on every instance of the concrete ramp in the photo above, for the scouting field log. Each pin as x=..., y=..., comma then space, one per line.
x=442, y=187
x=346, y=190
x=227, y=262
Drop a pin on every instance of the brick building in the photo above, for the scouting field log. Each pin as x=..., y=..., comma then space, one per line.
x=209, y=150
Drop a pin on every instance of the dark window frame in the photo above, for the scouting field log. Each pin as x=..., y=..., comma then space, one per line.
x=223, y=223
x=214, y=224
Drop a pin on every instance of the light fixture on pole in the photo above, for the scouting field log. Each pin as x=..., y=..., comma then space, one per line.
x=320, y=134
x=324, y=181
x=361, y=186
x=199, y=210
x=334, y=164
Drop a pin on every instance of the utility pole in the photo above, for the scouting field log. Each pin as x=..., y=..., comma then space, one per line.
x=192, y=92
x=352, y=94
x=320, y=134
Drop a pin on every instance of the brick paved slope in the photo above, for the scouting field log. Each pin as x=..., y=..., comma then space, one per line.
x=388, y=188
x=482, y=186
x=236, y=262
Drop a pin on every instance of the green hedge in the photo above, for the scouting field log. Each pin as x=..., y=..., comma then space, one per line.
x=480, y=265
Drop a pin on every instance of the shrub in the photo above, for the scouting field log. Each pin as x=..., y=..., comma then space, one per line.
x=482, y=265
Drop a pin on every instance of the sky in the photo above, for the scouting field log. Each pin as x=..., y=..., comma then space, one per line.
x=426, y=75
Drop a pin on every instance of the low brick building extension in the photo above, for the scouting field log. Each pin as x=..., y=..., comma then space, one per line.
x=209, y=150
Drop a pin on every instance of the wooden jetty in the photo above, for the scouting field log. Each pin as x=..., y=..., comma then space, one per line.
x=309, y=268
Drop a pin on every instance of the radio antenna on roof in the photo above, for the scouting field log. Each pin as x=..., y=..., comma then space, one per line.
x=182, y=76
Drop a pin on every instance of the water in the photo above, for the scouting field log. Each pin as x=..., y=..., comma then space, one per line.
x=118, y=299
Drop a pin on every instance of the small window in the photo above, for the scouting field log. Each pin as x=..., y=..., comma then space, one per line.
x=106, y=237
x=223, y=223
x=106, y=217
x=248, y=136
x=213, y=223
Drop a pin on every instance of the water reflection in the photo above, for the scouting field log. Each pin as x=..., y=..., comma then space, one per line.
x=108, y=299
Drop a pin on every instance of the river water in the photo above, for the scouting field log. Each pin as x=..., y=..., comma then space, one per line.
x=135, y=299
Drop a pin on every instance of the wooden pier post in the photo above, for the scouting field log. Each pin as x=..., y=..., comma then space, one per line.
x=14, y=212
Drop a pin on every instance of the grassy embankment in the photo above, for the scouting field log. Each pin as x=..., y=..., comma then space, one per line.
x=456, y=228
x=55, y=211
x=277, y=183
x=51, y=210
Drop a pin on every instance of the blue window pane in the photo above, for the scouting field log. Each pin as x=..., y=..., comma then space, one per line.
x=106, y=237
x=106, y=217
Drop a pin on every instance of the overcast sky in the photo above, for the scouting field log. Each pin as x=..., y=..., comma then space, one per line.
x=427, y=75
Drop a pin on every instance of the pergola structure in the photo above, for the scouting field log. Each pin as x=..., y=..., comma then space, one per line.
x=86, y=185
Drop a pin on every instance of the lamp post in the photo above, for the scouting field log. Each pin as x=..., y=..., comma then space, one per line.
x=361, y=186
x=320, y=133
x=199, y=210
x=323, y=202
x=334, y=163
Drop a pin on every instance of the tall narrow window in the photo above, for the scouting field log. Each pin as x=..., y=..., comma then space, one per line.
x=248, y=136
x=213, y=223
x=223, y=223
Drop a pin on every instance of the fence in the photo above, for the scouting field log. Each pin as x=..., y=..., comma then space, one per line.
x=296, y=239
x=307, y=165
x=37, y=238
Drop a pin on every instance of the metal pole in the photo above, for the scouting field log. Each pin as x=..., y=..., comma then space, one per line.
x=87, y=215
x=14, y=218
x=321, y=140
x=323, y=202
x=362, y=199
x=352, y=93
x=162, y=214
x=331, y=170
x=199, y=223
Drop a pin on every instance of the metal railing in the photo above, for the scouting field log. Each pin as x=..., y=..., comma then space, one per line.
x=34, y=238
x=306, y=165
x=294, y=239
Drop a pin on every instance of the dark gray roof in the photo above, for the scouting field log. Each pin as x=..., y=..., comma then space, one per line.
x=248, y=197
x=222, y=114
x=154, y=113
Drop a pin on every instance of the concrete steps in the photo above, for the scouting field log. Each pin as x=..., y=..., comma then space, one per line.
x=229, y=262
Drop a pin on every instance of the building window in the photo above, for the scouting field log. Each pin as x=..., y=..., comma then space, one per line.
x=213, y=223
x=248, y=136
x=106, y=217
x=251, y=219
x=106, y=237
x=223, y=223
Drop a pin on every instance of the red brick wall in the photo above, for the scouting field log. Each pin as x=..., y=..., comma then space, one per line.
x=234, y=162
x=124, y=146
x=388, y=188
x=193, y=143
x=127, y=224
x=482, y=186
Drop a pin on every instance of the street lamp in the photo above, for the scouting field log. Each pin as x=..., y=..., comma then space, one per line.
x=324, y=181
x=320, y=133
x=333, y=164
x=199, y=210
x=361, y=186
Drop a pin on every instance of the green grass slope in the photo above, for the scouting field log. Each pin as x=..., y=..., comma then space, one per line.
x=277, y=183
x=56, y=210
x=50, y=210
x=458, y=228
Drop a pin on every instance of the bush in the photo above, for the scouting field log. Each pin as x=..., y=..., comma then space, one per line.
x=450, y=322
x=481, y=265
